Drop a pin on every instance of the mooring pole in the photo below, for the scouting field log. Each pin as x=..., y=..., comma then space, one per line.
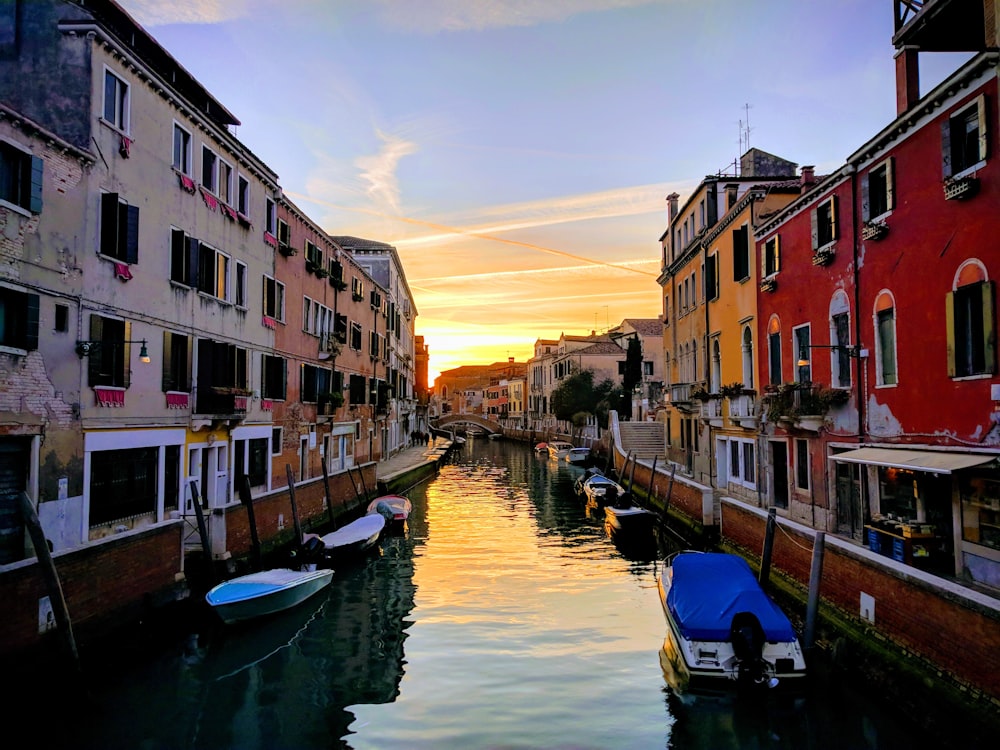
x=364, y=484
x=295, y=509
x=206, y=546
x=326, y=490
x=244, y=484
x=48, y=567
x=765, y=559
x=815, y=574
x=631, y=475
x=652, y=476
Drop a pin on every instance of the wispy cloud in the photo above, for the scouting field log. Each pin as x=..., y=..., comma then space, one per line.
x=151, y=13
x=378, y=171
x=431, y=16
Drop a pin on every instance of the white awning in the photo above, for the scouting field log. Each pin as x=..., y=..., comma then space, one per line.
x=933, y=461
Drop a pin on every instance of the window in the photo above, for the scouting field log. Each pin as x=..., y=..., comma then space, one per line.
x=274, y=298
x=183, y=258
x=742, y=463
x=774, y=352
x=802, y=464
x=801, y=339
x=340, y=328
x=771, y=261
x=182, y=150
x=971, y=329
x=741, y=253
x=885, y=340
x=62, y=319
x=747, y=359
x=284, y=234
x=119, y=229
x=824, y=223
x=355, y=336
x=313, y=382
x=116, y=101
x=877, y=191
x=963, y=139
x=108, y=362
x=373, y=345
x=357, y=288
x=20, y=178
x=711, y=277
x=209, y=169
x=240, y=300
x=225, y=183
x=358, y=389
x=213, y=272
x=270, y=216
x=276, y=441
x=273, y=378
x=242, y=196
x=176, y=362
x=314, y=255
x=19, y=319
x=840, y=376
x=122, y=484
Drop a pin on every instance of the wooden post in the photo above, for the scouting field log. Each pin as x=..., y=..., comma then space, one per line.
x=815, y=574
x=765, y=559
x=295, y=508
x=206, y=545
x=631, y=476
x=244, y=485
x=652, y=475
x=353, y=483
x=326, y=490
x=48, y=567
x=364, y=484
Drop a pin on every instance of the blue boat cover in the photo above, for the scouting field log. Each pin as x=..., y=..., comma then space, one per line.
x=708, y=588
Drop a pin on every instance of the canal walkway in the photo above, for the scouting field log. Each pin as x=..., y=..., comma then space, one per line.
x=412, y=464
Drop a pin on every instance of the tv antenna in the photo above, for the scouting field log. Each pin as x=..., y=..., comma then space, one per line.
x=745, y=131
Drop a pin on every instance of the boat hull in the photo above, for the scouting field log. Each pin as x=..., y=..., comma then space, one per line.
x=632, y=518
x=265, y=593
x=356, y=537
x=698, y=662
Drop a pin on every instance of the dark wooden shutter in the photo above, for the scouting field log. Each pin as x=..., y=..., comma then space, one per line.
x=712, y=209
x=37, y=170
x=94, y=358
x=132, y=235
x=946, y=148
x=949, y=328
x=866, y=209
x=989, y=327
x=193, y=251
x=167, y=380
x=711, y=283
x=109, y=223
x=31, y=322
x=983, y=128
x=126, y=360
x=833, y=217
x=814, y=219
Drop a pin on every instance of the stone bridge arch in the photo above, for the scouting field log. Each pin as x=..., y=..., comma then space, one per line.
x=451, y=420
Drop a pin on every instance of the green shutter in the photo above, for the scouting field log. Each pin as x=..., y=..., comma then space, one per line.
x=167, y=380
x=949, y=325
x=989, y=328
x=132, y=235
x=193, y=251
x=37, y=170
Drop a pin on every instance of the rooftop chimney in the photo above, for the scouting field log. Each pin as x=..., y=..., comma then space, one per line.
x=808, y=175
x=907, y=79
x=672, y=206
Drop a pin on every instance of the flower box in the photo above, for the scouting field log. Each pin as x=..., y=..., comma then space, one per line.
x=961, y=188
x=874, y=230
x=768, y=285
x=823, y=257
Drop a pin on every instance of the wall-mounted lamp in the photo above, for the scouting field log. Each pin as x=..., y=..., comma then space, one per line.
x=86, y=348
x=852, y=351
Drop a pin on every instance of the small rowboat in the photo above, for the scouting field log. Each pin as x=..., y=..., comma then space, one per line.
x=394, y=508
x=265, y=593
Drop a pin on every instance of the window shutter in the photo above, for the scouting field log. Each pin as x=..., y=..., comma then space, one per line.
x=866, y=209
x=946, y=148
x=710, y=280
x=193, y=251
x=712, y=212
x=833, y=217
x=37, y=169
x=889, y=182
x=31, y=322
x=777, y=253
x=989, y=328
x=132, y=235
x=109, y=223
x=814, y=219
x=983, y=127
x=167, y=379
x=949, y=324
x=126, y=362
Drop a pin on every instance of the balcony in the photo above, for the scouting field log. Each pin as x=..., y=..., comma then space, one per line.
x=711, y=412
x=743, y=410
x=222, y=402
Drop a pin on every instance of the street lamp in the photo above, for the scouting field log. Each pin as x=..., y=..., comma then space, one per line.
x=86, y=348
x=851, y=351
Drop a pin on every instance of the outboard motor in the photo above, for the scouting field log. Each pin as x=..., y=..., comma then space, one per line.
x=313, y=549
x=747, y=637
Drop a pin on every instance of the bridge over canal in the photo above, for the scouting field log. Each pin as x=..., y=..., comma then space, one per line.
x=450, y=422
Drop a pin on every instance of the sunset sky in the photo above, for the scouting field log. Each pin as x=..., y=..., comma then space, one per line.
x=518, y=153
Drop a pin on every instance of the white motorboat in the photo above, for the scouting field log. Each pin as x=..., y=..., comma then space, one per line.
x=395, y=508
x=624, y=515
x=265, y=593
x=357, y=536
x=578, y=456
x=722, y=628
x=559, y=448
x=601, y=490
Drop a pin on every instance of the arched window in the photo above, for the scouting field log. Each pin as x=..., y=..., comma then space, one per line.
x=969, y=315
x=716, y=377
x=747, y=357
x=840, y=336
x=774, y=351
x=885, y=339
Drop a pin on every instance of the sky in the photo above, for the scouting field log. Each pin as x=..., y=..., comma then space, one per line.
x=518, y=153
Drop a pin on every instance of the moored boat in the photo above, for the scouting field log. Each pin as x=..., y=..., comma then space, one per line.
x=356, y=537
x=578, y=456
x=625, y=515
x=265, y=592
x=601, y=490
x=722, y=627
x=559, y=448
x=394, y=508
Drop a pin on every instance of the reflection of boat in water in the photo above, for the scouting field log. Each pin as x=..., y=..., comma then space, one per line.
x=723, y=629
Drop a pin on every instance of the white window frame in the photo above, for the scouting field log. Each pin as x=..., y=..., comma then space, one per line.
x=879, y=370
x=270, y=216
x=184, y=167
x=799, y=375
x=242, y=195
x=240, y=289
x=211, y=181
x=223, y=275
x=224, y=186
x=741, y=453
x=123, y=101
x=795, y=466
x=278, y=313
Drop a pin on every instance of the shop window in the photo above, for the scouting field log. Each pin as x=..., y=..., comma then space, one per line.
x=122, y=484
x=981, y=511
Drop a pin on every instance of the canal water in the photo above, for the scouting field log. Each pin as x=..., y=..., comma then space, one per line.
x=502, y=617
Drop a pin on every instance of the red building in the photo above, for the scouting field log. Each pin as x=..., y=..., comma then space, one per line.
x=878, y=322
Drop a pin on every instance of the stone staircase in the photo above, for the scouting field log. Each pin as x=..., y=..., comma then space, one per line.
x=643, y=439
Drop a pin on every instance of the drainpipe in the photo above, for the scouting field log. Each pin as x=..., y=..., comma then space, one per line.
x=860, y=365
